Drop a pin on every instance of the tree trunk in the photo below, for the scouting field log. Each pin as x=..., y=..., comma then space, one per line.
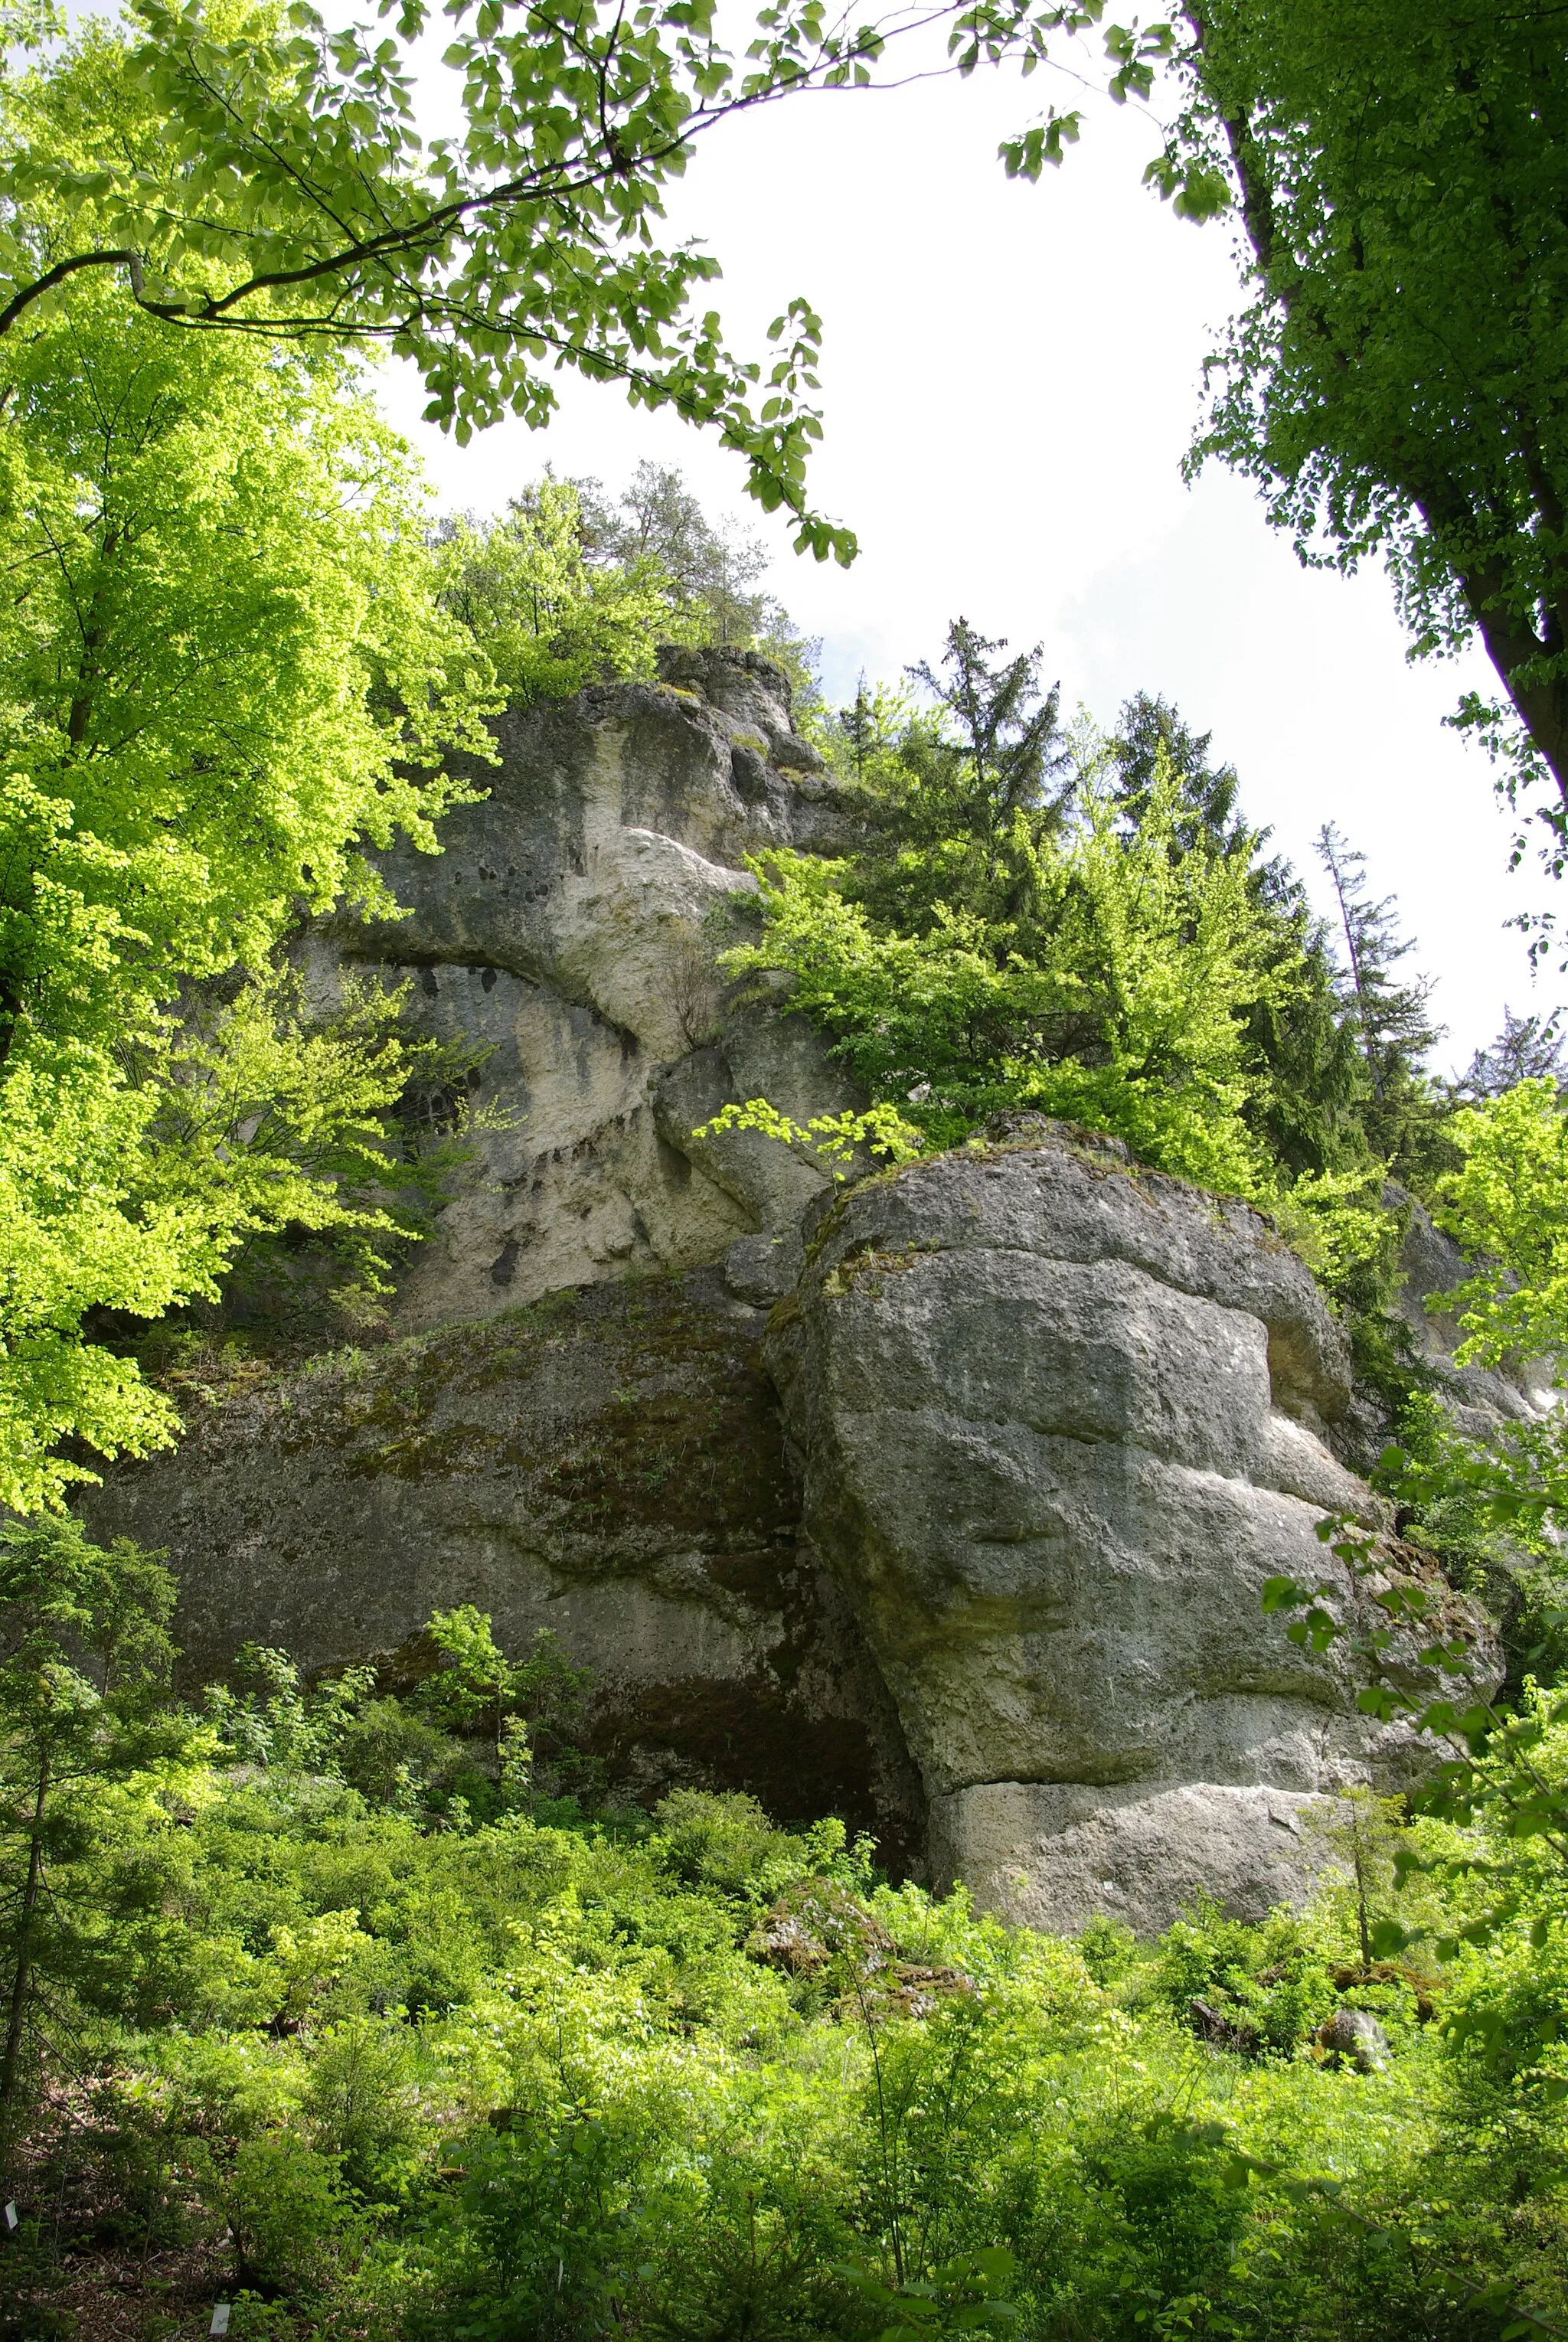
x=10, y=2072
x=1511, y=644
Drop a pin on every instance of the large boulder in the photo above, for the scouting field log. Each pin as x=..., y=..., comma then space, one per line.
x=1060, y=1418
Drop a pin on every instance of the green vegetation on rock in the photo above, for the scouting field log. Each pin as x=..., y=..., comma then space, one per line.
x=1044, y=918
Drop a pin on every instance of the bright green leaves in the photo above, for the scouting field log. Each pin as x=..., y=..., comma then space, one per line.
x=1194, y=189
x=270, y=175
x=230, y=673
x=548, y=620
x=1022, y=34
x=966, y=2295
x=262, y=171
x=1115, y=1001
x=831, y=1141
x=1500, y=1768
x=89, y=1752
x=1508, y=1208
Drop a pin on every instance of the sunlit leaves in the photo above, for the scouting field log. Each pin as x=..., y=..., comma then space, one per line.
x=270, y=175
x=229, y=674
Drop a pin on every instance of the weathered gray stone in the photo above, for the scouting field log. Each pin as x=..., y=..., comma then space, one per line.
x=608, y=1464
x=1058, y=1417
x=1060, y=1421
x=569, y=928
x=762, y=1268
x=1355, y=2034
x=1057, y=1856
x=1480, y=1399
x=764, y=1053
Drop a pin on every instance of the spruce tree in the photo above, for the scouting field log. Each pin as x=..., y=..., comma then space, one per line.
x=1209, y=793
x=1392, y=1028
x=1528, y=1049
x=1005, y=752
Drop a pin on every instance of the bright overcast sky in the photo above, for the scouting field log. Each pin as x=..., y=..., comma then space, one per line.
x=1010, y=375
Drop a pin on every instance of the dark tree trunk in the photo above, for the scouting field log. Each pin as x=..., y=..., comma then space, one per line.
x=22, y=1979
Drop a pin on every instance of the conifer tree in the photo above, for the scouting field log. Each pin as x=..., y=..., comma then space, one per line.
x=1391, y=1021
x=976, y=785
x=1528, y=1049
x=1009, y=758
x=1209, y=793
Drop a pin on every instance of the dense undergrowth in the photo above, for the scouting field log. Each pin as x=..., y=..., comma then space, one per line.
x=374, y=2014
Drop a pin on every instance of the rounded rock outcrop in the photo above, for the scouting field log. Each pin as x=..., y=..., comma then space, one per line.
x=1060, y=1418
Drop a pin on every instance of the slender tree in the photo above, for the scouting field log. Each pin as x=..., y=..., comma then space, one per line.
x=1390, y=1018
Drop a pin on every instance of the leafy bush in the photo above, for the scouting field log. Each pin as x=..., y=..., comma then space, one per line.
x=399, y=2067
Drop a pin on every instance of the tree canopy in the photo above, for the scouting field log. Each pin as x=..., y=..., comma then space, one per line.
x=260, y=172
x=227, y=669
x=1043, y=917
x=1397, y=384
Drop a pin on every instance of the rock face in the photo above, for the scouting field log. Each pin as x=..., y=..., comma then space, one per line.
x=568, y=927
x=1479, y=1398
x=987, y=1581
x=1060, y=1420
x=607, y=1464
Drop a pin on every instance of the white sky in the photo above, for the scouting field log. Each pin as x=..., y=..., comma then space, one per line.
x=1011, y=377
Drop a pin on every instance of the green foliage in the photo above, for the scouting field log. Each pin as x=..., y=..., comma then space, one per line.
x=1491, y=1513
x=836, y=1142
x=1399, y=174
x=229, y=672
x=243, y=172
x=549, y=620
x=251, y=173
x=710, y=573
x=1507, y=1206
x=90, y=1754
x=278, y=1722
x=1268, y=1987
x=410, y=2071
x=1387, y=1018
x=1113, y=999
x=568, y=588
x=965, y=2296
x=1085, y=927
x=1504, y=1766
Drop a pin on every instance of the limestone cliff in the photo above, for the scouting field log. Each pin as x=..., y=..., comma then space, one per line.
x=565, y=927
x=1060, y=1420
x=987, y=1580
